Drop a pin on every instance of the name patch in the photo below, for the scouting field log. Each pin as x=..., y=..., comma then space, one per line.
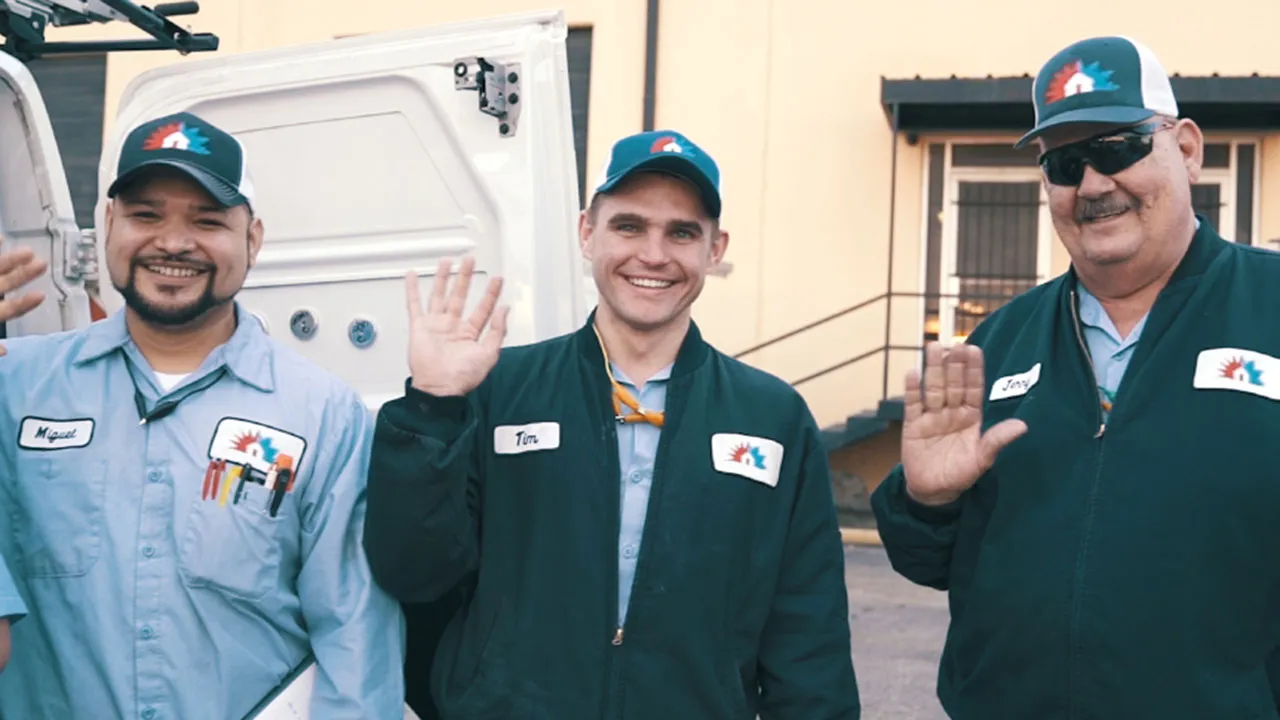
x=754, y=458
x=1237, y=369
x=44, y=434
x=516, y=439
x=1015, y=385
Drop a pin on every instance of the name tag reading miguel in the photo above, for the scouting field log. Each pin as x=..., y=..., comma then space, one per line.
x=516, y=439
x=43, y=434
x=1015, y=385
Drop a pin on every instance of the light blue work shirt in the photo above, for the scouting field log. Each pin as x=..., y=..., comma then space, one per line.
x=12, y=608
x=637, y=450
x=1110, y=352
x=154, y=602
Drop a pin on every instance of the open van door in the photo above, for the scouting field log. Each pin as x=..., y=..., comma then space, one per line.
x=35, y=206
x=374, y=155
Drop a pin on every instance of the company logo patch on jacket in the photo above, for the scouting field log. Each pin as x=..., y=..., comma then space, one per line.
x=516, y=439
x=1239, y=370
x=1015, y=385
x=243, y=452
x=754, y=458
x=45, y=434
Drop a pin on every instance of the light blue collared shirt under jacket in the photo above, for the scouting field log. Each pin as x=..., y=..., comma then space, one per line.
x=161, y=585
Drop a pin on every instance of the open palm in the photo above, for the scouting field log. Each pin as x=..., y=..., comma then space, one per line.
x=17, y=269
x=944, y=450
x=450, y=355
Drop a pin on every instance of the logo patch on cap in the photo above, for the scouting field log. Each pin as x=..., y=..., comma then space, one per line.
x=177, y=136
x=665, y=144
x=1075, y=78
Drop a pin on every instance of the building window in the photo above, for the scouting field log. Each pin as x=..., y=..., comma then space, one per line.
x=1225, y=191
x=988, y=233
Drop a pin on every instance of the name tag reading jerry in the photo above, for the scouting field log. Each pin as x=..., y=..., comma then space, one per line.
x=43, y=434
x=1015, y=385
x=516, y=439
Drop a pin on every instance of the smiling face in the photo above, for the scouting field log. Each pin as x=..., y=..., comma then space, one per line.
x=651, y=245
x=1134, y=216
x=174, y=254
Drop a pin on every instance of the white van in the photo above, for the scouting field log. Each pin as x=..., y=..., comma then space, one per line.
x=371, y=156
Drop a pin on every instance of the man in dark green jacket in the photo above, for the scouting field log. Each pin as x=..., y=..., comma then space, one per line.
x=1093, y=478
x=640, y=526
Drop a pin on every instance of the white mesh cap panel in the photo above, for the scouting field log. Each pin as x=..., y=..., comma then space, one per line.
x=1157, y=91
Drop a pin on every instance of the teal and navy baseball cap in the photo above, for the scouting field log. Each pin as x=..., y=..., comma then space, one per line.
x=664, y=151
x=212, y=157
x=1109, y=80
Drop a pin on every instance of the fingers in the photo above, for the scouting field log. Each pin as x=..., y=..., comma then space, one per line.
x=996, y=438
x=458, y=296
x=934, y=379
x=480, y=316
x=437, y=301
x=14, y=307
x=913, y=404
x=412, y=295
x=19, y=268
x=956, y=364
x=497, y=329
x=975, y=378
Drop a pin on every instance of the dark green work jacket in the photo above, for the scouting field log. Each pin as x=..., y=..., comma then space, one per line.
x=1123, y=570
x=739, y=604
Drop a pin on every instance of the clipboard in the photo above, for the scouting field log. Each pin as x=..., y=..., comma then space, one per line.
x=291, y=699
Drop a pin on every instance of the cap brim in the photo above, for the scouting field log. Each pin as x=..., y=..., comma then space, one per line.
x=679, y=166
x=222, y=191
x=1101, y=116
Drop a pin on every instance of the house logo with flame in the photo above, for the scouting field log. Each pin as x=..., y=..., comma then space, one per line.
x=1078, y=77
x=244, y=454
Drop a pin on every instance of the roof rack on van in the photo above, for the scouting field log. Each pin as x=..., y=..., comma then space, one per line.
x=23, y=22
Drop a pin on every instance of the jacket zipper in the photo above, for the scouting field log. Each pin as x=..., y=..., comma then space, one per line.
x=1093, y=371
x=1077, y=590
x=611, y=660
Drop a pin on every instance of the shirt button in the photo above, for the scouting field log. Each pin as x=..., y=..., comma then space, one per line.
x=636, y=476
x=148, y=713
x=146, y=635
x=155, y=476
x=629, y=551
x=148, y=551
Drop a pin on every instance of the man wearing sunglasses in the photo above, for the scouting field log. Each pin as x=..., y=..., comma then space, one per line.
x=1092, y=477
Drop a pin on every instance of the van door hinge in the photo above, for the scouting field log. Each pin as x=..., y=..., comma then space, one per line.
x=80, y=254
x=498, y=87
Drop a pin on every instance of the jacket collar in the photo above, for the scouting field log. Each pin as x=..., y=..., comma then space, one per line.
x=247, y=354
x=693, y=351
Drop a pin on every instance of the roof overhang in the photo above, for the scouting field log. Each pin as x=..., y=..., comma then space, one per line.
x=1243, y=103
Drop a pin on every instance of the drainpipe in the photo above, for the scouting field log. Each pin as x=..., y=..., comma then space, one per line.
x=650, y=64
x=893, y=211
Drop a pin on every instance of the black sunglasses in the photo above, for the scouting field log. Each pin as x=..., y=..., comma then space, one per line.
x=1108, y=154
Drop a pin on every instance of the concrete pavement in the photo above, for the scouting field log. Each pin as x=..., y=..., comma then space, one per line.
x=898, y=630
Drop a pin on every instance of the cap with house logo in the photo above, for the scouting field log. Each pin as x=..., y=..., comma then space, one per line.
x=212, y=157
x=1107, y=80
x=664, y=151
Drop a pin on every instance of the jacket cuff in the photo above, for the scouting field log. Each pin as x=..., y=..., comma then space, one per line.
x=418, y=413
x=929, y=514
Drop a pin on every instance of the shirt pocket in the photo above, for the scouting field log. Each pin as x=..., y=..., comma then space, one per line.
x=233, y=548
x=59, y=514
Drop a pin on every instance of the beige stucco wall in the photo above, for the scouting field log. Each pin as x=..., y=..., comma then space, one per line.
x=786, y=96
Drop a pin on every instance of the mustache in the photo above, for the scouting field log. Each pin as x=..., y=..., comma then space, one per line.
x=179, y=260
x=1093, y=208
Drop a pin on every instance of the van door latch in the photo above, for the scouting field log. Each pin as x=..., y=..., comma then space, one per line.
x=498, y=87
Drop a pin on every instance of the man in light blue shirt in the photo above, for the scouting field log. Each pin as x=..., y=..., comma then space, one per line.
x=187, y=495
x=12, y=609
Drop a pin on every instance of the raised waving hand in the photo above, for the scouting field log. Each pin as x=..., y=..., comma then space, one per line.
x=450, y=354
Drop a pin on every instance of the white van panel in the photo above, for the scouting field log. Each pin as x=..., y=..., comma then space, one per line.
x=37, y=214
x=367, y=162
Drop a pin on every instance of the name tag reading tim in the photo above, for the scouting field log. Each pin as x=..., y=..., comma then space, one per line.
x=516, y=439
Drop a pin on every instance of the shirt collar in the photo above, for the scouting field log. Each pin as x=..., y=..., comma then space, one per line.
x=247, y=354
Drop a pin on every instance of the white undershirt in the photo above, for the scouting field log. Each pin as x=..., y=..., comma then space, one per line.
x=169, y=381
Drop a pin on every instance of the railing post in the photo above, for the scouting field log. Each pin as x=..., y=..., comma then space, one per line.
x=893, y=211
